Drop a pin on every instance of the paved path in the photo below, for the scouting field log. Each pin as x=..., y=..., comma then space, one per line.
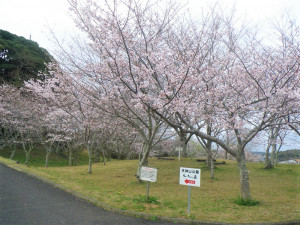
x=25, y=200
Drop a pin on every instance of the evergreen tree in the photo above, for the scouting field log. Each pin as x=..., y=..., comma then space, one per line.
x=21, y=59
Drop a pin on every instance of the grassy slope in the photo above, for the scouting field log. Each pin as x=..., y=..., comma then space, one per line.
x=115, y=184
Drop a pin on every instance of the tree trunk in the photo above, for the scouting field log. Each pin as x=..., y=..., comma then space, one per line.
x=138, y=173
x=183, y=140
x=103, y=153
x=13, y=152
x=208, y=159
x=274, y=146
x=27, y=154
x=212, y=168
x=90, y=166
x=75, y=158
x=90, y=152
x=268, y=164
x=144, y=160
x=48, y=152
x=70, y=157
x=227, y=143
x=272, y=143
x=244, y=178
x=97, y=155
x=47, y=158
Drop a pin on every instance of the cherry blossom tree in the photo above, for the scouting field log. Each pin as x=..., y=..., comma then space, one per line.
x=255, y=88
x=187, y=72
x=21, y=117
x=9, y=135
x=64, y=93
x=105, y=91
x=55, y=129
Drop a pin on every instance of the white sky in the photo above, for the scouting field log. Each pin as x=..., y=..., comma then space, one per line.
x=33, y=17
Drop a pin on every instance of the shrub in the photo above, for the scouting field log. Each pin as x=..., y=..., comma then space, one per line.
x=246, y=201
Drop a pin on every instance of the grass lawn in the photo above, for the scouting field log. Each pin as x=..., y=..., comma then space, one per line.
x=114, y=184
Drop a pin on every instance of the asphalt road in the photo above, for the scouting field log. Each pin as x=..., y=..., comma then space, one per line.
x=25, y=200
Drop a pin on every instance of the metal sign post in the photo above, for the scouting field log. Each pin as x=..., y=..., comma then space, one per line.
x=147, y=192
x=189, y=201
x=190, y=177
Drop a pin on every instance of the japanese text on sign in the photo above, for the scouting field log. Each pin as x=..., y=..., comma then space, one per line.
x=190, y=176
x=148, y=174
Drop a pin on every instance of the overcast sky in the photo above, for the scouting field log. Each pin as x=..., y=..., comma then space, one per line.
x=32, y=18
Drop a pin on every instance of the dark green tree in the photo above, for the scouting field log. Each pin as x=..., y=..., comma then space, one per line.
x=21, y=59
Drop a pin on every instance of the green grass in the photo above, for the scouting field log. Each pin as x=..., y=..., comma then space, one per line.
x=276, y=190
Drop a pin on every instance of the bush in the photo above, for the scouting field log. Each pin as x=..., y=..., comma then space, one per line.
x=246, y=201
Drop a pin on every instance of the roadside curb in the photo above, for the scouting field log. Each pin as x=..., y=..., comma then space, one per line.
x=13, y=165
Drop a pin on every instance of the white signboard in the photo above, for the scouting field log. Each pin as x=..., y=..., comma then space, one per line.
x=148, y=174
x=178, y=149
x=190, y=176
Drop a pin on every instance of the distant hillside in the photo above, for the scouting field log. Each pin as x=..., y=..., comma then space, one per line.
x=282, y=156
x=289, y=154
